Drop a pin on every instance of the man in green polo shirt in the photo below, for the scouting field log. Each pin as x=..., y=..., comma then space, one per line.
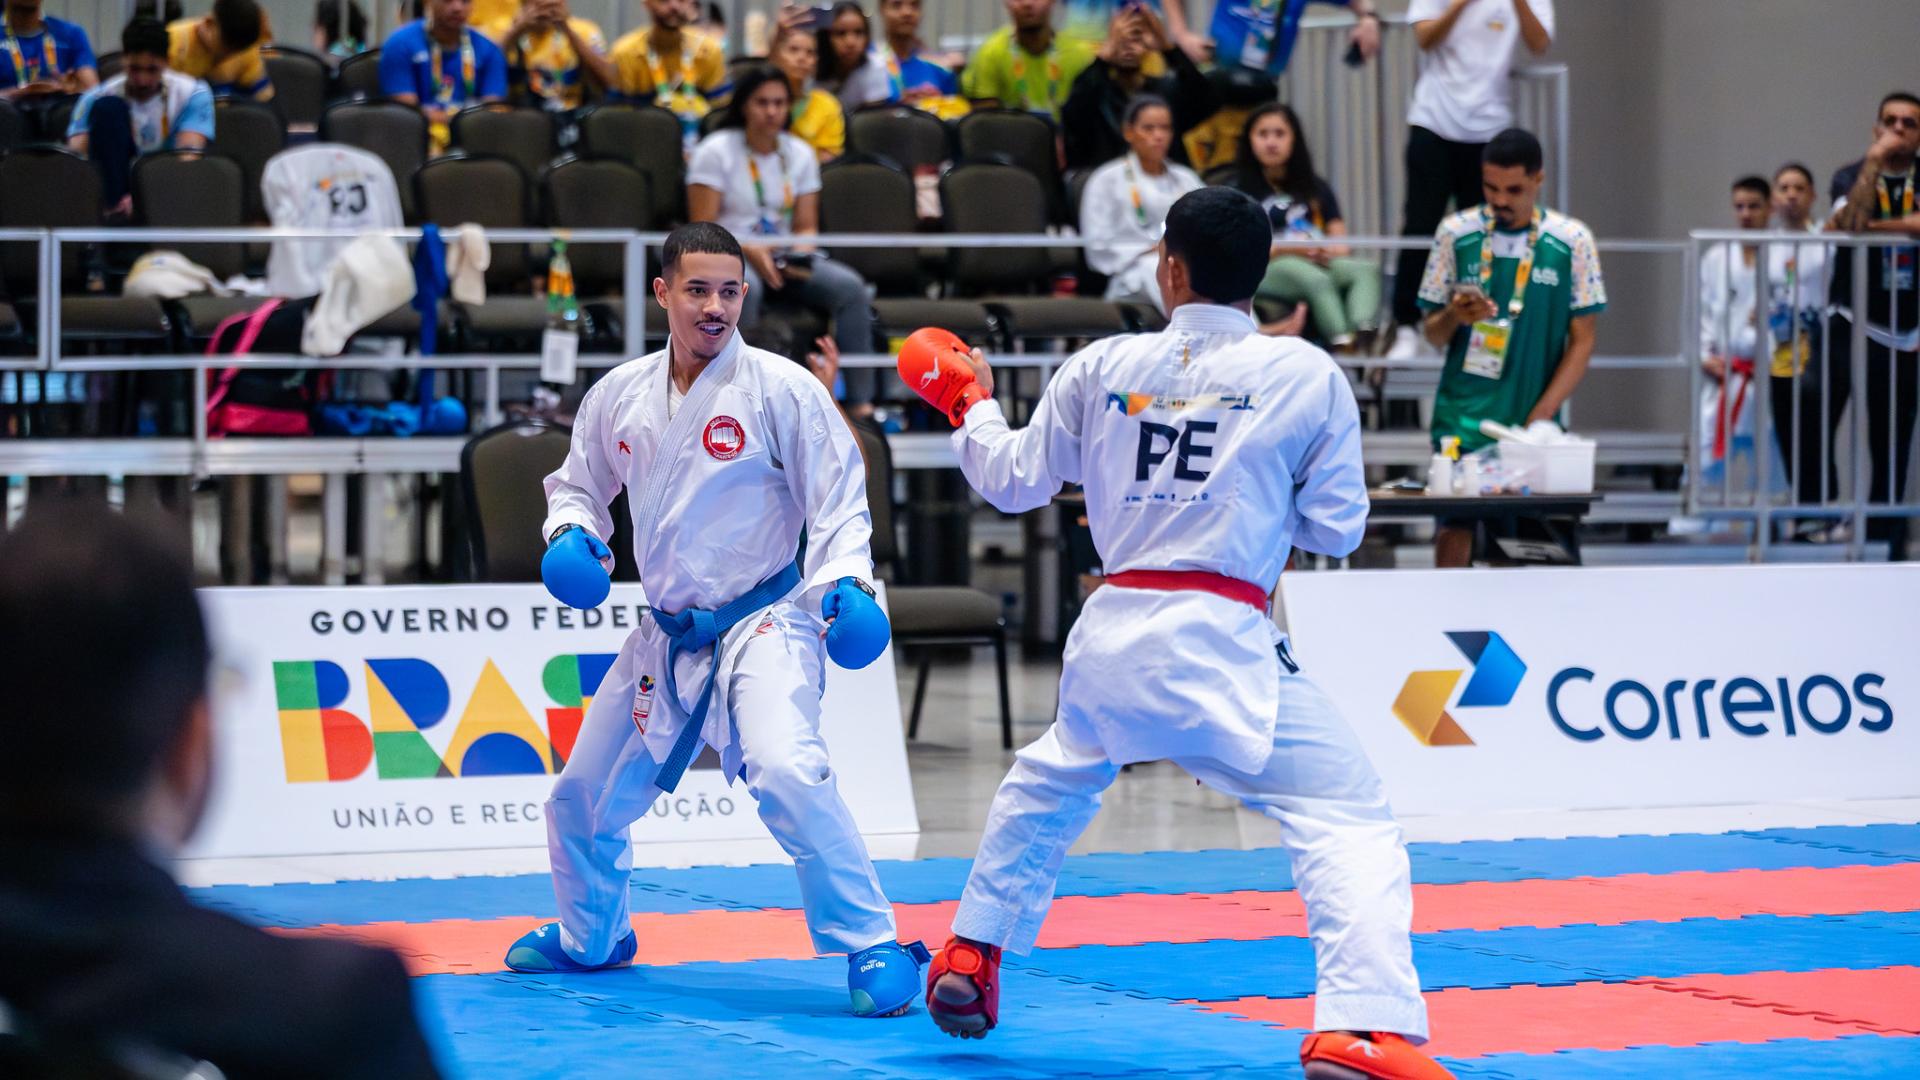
x=1511, y=292
x=1027, y=65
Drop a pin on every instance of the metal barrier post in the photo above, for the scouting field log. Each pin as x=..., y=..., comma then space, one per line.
x=634, y=298
x=1856, y=543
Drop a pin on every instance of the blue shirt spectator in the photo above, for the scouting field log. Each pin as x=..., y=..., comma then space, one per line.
x=44, y=54
x=177, y=114
x=470, y=72
x=1259, y=34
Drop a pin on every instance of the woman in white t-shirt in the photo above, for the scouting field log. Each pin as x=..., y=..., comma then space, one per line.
x=1123, y=209
x=763, y=185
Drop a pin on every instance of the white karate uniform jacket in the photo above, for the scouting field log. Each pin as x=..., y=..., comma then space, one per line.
x=719, y=495
x=1203, y=447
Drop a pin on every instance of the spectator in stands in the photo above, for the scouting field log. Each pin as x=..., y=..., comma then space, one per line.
x=1260, y=35
x=918, y=78
x=439, y=64
x=1216, y=140
x=1730, y=332
x=1797, y=295
x=1513, y=292
x=104, y=951
x=553, y=54
x=672, y=65
x=1026, y=65
x=1342, y=293
x=330, y=39
x=223, y=47
x=850, y=69
x=817, y=118
x=47, y=57
x=1877, y=194
x=1461, y=99
x=1123, y=210
x=713, y=21
x=1090, y=118
x=763, y=184
x=144, y=109
x=1089, y=21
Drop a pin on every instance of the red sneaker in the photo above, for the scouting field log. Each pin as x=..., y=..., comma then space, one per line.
x=1366, y=1055
x=963, y=988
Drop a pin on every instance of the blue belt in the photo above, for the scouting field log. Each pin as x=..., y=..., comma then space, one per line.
x=693, y=629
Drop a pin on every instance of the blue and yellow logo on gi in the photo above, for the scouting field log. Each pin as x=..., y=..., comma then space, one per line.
x=1422, y=704
x=495, y=735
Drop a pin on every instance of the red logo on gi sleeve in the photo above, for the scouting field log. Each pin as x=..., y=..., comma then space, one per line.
x=724, y=438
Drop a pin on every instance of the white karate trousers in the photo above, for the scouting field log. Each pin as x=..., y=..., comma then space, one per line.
x=1349, y=858
x=608, y=783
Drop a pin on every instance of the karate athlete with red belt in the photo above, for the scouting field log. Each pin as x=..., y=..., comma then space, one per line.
x=726, y=453
x=1207, y=452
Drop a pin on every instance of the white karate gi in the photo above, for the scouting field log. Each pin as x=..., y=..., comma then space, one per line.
x=1205, y=447
x=719, y=494
x=1121, y=240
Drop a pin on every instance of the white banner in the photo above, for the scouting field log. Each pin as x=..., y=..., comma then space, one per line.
x=1591, y=688
x=429, y=717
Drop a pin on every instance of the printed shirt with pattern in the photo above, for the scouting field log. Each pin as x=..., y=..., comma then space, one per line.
x=552, y=68
x=629, y=58
x=243, y=74
x=990, y=73
x=1565, y=283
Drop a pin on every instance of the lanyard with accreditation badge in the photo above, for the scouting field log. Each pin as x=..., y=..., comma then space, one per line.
x=1488, y=341
x=768, y=225
x=1899, y=260
x=24, y=70
x=443, y=85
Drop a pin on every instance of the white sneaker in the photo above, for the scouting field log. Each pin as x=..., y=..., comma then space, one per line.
x=1407, y=345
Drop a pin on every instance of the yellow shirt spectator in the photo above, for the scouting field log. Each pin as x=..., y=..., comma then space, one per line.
x=684, y=80
x=819, y=122
x=485, y=13
x=553, y=69
x=241, y=74
x=1002, y=71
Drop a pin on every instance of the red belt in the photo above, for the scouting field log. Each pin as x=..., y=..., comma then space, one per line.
x=1197, y=580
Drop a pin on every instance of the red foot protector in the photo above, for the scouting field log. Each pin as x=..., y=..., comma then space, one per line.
x=963, y=988
x=933, y=362
x=1338, y=1055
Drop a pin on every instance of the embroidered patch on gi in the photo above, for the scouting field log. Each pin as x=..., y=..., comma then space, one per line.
x=642, y=702
x=766, y=624
x=724, y=438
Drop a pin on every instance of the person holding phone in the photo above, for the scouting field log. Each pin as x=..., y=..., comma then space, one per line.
x=1512, y=293
x=1090, y=119
x=762, y=183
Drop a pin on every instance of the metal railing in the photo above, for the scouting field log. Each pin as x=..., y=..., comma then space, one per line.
x=1820, y=386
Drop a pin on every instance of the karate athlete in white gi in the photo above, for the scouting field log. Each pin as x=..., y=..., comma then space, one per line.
x=1207, y=452
x=727, y=453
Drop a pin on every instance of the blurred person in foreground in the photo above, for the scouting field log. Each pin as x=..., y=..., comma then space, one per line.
x=109, y=766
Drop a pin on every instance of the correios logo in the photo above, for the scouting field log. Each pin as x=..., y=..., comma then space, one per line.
x=1587, y=706
x=1422, y=704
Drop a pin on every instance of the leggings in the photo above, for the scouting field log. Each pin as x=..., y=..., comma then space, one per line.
x=1343, y=296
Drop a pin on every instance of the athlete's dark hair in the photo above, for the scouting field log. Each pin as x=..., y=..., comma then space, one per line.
x=700, y=237
x=1515, y=146
x=144, y=34
x=239, y=23
x=103, y=654
x=1756, y=184
x=1223, y=236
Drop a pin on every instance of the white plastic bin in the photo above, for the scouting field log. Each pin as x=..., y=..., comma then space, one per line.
x=1564, y=468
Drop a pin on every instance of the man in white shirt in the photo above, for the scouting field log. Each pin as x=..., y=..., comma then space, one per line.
x=144, y=109
x=1207, y=452
x=1462, y=99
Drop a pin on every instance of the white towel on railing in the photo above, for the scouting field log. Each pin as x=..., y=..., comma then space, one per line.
x=468, y=257
x=370, y=278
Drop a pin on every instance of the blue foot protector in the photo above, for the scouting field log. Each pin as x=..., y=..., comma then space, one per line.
x=884, y=979
x=538, y=952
